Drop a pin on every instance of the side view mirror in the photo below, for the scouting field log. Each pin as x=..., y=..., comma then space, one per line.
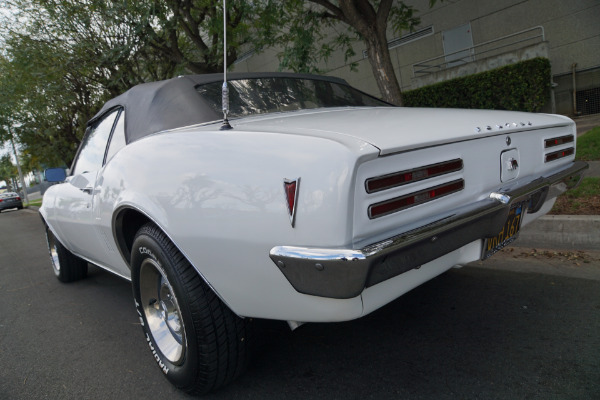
x=55, y=174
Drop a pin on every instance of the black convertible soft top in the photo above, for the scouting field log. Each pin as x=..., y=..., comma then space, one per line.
x=173, y=103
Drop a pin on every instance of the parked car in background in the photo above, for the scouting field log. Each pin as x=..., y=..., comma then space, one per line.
x=10, y=200
x=321, y=204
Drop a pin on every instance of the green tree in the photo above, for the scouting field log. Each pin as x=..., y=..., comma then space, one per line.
x=60, y=64
x=306, y=25
x=8, y=171
x=190, y=32
x=62, y=59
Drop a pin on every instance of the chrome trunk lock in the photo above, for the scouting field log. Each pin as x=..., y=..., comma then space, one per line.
x=509, y=165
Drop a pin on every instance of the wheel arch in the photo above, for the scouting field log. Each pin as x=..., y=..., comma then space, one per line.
x=126, y=222
x=48, y=227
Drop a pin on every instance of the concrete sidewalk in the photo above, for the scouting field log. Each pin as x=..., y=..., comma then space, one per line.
x=565, y=232
x=594, y=169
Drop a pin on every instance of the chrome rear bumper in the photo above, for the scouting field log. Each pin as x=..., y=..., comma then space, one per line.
x=344, y=273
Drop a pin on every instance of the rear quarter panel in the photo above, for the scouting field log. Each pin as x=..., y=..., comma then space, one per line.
x=219, y=197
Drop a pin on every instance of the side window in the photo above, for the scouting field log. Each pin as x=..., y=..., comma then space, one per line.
x=117, y=140
x=93, y=147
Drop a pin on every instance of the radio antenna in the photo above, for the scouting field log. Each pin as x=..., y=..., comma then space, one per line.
x=225, y=89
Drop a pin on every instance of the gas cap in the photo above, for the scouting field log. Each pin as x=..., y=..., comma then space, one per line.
x=509, y=165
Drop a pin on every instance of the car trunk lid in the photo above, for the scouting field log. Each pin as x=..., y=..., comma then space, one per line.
x=395, y=129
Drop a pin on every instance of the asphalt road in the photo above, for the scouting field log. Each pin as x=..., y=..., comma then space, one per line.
x=522, y=325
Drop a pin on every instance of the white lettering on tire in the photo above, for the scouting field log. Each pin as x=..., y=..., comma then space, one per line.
x=162, y=365
x=137, y=308
x=144, y=250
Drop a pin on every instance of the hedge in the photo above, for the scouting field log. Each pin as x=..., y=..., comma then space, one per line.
x=524, y=86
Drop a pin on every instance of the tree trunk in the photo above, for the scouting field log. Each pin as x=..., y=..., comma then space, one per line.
x=383, y=69
x=371, y=24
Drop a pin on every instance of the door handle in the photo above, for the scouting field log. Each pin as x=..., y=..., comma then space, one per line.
x=87, y=189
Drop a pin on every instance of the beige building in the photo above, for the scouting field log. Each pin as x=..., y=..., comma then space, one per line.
x=461, y=37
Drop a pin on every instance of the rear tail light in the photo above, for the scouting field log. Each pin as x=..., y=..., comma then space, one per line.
x=423, y=196
x=560, y=154
x=396, y=179
x=18, y=198
x=558, y=141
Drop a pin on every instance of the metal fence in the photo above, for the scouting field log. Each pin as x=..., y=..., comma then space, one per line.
x=483, y=50
x=578, y=93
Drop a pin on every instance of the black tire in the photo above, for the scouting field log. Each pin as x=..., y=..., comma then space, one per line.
x=197, y=341
x=66, y=266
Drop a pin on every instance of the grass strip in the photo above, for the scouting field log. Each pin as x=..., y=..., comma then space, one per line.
x=34, y=203
x=583, y=200
x=588, y=145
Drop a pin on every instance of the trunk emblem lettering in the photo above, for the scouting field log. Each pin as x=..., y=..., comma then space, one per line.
x=497, y=127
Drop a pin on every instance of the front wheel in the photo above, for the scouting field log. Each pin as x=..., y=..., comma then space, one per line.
x=66, y=266
x=197, y=341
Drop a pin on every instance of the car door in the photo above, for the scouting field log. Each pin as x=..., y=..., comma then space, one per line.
x=75, y=208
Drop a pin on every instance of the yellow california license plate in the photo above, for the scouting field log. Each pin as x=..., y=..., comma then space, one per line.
x=508, y=233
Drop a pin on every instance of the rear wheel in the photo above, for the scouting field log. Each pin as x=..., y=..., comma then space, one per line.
x=197, y=341
x=67, y=266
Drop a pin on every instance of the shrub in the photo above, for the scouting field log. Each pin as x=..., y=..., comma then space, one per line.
x=524, y=86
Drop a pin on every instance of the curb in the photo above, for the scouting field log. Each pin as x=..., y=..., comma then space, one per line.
x=568, y=232
x=593, y=170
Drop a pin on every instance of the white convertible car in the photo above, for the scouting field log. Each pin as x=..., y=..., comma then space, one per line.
x=320, y=204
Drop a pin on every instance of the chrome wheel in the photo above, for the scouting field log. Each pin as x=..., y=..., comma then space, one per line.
x=66, y=266
x=197, y=341
x=52, y=247
x=162, y=311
